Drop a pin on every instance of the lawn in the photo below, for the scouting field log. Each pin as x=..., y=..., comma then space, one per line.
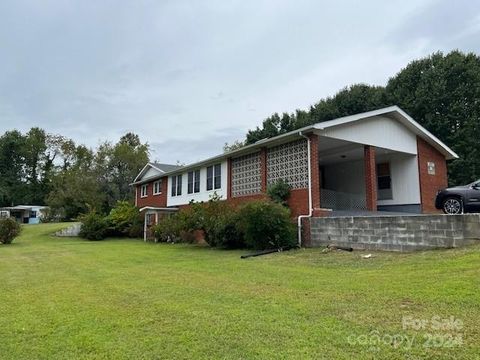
x=66, y=298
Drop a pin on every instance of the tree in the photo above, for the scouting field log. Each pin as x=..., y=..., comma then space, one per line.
x=75, y=187
x=117, y=165
x=12, y=184
x=354, y=99
x=34, y=149
x=237, y=144
x=442, y=93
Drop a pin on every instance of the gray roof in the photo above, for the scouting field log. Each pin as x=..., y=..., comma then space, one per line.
x=165, y=167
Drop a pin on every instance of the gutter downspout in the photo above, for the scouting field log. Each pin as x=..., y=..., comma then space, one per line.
x=310, y=210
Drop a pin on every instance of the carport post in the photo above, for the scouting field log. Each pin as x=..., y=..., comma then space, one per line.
x=370, y=178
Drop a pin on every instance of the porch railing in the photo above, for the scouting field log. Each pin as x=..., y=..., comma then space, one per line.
x=337, y=200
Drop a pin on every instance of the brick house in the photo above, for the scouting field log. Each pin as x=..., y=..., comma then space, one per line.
x=380, y=160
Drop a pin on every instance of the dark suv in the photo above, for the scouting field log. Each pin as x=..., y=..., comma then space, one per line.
x=459, y=199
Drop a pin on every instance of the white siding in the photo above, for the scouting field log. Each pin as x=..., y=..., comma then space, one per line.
x=379, y=131
x=405, y=180
x=203, y=195
x=349, y=177
x=151, y=172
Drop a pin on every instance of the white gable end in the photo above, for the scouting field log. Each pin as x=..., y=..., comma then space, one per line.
x=379, y=131
x=151, y=172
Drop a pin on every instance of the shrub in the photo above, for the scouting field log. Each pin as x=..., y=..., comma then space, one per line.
x=9, y=230
x=279, y=192
x=215, y=219
x=136, y=229
x=125, y=220
x=94, y=226
x=266, y=225
x=168, y=229
x=220, y=225
x=229, y=234
x=258, y=225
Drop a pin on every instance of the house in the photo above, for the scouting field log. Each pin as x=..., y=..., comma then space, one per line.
x=380, y=160
x=25, y=214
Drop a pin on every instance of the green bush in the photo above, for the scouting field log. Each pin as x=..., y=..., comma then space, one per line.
x=258, y=225
x=125, y=220
x=9, y=230
x=168, y=229
x=215, y=219
x=229, y=234
x=279, y=192
x=266, y=225
x=94, y=226
x=220, y=225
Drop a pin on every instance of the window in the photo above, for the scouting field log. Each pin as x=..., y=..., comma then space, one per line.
x=176, y=185
x=214, y=177
x=384, y=182
x=193, y=182
x=143, y=191
x=33, y=214
x=157, y=187
x=218, y=177
x=209, y=178
x=196, y=182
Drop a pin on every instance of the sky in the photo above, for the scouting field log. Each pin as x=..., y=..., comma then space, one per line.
x=188, y=76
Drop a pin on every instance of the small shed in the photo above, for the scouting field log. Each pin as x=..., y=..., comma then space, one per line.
x=25, y=214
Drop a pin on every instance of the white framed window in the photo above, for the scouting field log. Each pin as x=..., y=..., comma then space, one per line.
x=384, y=182
x=193, y=182
x=176, y=185
x=214, y=177
x=157, y=187
x=144, y=191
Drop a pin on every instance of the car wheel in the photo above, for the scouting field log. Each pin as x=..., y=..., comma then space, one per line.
x=452, y=206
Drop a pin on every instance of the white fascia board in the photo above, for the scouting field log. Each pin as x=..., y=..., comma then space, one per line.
x=158, y=208
x=407, y=120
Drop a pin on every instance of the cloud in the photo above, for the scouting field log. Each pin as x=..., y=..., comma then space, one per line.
x=171, y=150
x=441, y=25
x=189, y=76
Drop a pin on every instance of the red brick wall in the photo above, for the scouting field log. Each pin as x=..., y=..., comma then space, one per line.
x=370, y=178
x=153, y=200
x=430, y=184
x=237, y=200
x=298, y=202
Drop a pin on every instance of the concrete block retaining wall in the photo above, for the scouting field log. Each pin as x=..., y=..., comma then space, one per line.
x=396, y=233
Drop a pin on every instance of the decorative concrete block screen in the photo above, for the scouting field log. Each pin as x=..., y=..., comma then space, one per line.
x=396, y=233
x=288, y=162
x=246, y=175
x=337, y=200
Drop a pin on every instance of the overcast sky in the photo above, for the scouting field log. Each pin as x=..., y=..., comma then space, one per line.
x=187, y=76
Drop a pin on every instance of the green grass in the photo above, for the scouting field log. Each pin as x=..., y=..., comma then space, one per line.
x=66, y=298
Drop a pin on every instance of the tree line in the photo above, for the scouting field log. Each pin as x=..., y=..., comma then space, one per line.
x=49, y=169
x=441, y=92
